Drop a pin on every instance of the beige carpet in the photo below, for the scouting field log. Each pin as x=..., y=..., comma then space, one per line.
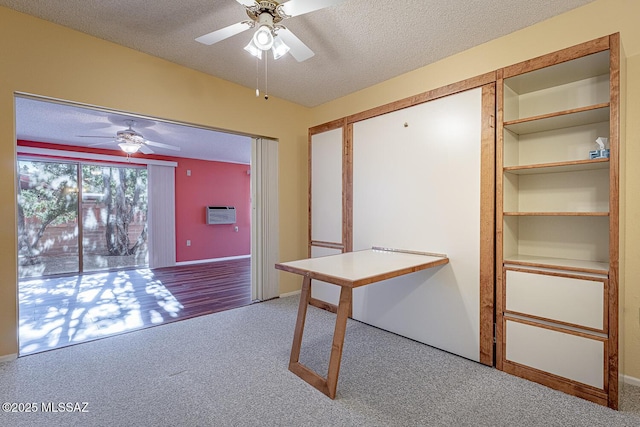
x=230, y=369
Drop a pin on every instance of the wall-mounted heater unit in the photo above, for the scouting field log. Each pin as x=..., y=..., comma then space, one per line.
x=221, y=215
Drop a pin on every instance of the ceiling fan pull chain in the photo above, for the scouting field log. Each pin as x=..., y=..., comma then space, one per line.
x=266, y=81
x=257, y=76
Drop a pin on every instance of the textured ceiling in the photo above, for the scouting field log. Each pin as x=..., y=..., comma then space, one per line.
x=52, y=122
x=357, y=43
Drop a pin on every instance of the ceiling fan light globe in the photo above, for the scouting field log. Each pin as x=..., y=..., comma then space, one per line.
x=279, y=48
x=253, y=49
x=263, y=38
x=129, y=147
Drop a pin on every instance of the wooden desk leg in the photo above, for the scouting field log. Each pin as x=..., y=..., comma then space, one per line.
x=305, y=295
x=329, y=385
x=344, y=308
x=294, y=364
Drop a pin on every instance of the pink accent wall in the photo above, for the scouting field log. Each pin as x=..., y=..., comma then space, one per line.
x=210, y=184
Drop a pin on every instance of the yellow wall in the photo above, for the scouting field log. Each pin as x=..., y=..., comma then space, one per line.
x=600, y=18
x=41, y=58
x=632, y=228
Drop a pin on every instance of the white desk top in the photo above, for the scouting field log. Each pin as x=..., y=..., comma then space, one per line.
x=359, y=268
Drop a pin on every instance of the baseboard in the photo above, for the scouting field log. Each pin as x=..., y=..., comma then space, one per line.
x=630, y=380
x=289, y=294
x=8, y=358
x=204, y=261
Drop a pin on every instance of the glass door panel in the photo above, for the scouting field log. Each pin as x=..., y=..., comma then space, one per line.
x=47, y=218
x=114, y=217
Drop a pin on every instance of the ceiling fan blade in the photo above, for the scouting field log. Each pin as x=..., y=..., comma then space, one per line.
x=223, y=33
x=300, y=7
x=161, y=145
x=95, y=144
x=145, y=150
x=298, y=50
x=92, y=136
x=246, y=3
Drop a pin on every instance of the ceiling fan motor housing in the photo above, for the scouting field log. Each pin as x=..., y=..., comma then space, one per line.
x=130, y=136
x=266, y=12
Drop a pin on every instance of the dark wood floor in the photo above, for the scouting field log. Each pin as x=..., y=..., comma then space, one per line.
x=61, y=311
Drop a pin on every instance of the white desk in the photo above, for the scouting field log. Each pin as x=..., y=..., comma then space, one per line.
x=347, y=270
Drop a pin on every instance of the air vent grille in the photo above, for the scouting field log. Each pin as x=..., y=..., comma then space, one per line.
x=221, y=215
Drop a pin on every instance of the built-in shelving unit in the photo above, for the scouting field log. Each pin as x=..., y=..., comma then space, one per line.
x=557, y=216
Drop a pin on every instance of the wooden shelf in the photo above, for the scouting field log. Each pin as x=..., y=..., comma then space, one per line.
x=561, y=119
x=556, y=213
x=586, y=266
x=559, y=74
x=557, y=167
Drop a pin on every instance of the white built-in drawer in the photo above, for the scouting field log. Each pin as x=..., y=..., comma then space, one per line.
x=571, y=356
x=571, y=300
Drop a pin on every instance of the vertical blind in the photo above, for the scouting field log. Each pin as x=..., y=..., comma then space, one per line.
x=264, y=219
x=161, y=216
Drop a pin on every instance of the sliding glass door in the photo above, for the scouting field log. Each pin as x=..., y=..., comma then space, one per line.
x=47, y=218
x=114, y=217
x=64, y=228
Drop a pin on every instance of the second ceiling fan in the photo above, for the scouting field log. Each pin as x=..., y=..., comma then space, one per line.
x=271, y=34
x=131, y=141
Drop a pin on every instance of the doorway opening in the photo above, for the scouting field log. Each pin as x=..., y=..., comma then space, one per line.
x=101, y=234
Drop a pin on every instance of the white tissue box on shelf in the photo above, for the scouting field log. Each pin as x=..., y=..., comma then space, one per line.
x=599, y=154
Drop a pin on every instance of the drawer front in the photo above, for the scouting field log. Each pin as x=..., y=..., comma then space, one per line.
x=571, y=356
x=575, y=301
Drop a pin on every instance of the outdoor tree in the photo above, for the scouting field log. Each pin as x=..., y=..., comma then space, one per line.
x=47, y=195
x=124, y=191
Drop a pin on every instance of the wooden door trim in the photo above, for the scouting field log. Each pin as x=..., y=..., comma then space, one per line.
x=461, y=86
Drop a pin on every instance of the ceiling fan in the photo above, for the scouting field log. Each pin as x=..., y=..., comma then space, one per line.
x=267, y=15
x=131, y=141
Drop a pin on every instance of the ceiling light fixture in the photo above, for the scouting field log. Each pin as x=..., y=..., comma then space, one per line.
x=263, y=38
x=266, y=16
x=279, y=48
x=129, y=147
x=266, y=38
x=253, y=49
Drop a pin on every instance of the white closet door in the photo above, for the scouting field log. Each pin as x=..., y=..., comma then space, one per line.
x=326, y=186
x=326, y=203
x=416, y=186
